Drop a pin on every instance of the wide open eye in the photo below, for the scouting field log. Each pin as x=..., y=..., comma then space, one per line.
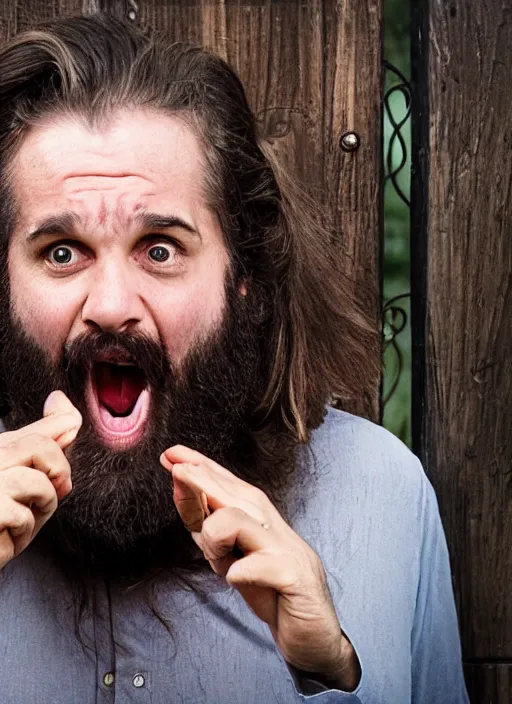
x=61, y=255
x=163, y=253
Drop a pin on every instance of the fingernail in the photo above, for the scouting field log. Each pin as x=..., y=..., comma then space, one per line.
x=64, y=489
x=50, y=404
x=204, y=501
x=69, y=486
x=68, y=437
x=165, y=462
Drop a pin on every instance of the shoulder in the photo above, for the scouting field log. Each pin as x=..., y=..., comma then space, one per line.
x=353, y=446
x=355, y=468
x=363, y=502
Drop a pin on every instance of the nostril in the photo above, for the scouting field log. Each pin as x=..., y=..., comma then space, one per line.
x=103, y=324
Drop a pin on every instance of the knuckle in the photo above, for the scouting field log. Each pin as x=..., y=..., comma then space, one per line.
x=209, y=531
x=73, y=417
x=215, y=549
x=259, y=497
x=13, y=479
x=225, y=519
x=19, y=519
x=59, y=464
x=47, y=451
x=291, y=571
x=216, y=526
x=45, y=489
x=42, y=444
x=6, y=438
x=232, y=513
x=48, y=504
x=26, y=480
x=33, y=443
x=32, y=440
x=7, y=448
x=313, y=558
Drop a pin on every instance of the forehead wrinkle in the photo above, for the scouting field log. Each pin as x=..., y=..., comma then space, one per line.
x=102, y=215
x=97, y=211
x=74, y=183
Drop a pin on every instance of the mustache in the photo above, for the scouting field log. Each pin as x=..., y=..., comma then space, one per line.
x=149, y=355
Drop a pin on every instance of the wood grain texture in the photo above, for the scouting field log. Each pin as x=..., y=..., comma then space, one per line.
x=312, y=71
x=467, y=426
x=489, y=683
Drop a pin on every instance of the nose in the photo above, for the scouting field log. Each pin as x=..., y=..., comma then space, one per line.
x=112, y=303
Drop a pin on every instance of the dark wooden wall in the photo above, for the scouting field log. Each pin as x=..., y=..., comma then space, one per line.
x=312, y=71
x=464, y=359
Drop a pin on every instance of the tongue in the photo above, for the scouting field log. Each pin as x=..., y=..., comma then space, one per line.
x=118, y=387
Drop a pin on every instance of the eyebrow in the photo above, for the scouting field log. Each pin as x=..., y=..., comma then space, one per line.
x=60, y=225
x=63, y=224
x=155, y=221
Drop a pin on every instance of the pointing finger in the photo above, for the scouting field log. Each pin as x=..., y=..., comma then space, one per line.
x=179, y=454
x=41, y=453
x=56, y=404
x=61, y=422
x=230, y=527
x=62, y=428
x=191, y=504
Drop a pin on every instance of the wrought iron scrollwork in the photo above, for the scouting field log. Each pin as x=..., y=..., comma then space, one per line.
x=394, y=316
x=394, y=322
x=404, y=88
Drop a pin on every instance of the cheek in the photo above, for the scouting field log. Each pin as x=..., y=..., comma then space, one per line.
x=45, y=316
x=189, y=323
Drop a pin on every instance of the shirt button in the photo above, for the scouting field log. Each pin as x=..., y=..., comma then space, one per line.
x=108, y=679
x=138, y=681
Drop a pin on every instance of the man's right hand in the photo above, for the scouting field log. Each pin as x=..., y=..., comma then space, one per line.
x=34, y=473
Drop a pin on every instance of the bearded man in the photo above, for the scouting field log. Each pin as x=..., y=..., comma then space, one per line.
x=182, y=517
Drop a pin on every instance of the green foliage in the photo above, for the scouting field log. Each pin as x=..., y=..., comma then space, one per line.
x=397, y=17
x=396, y=223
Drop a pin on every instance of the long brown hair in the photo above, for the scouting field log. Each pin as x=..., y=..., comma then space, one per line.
x=320, y=344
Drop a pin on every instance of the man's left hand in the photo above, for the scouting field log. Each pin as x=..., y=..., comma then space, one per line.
x=282, y=579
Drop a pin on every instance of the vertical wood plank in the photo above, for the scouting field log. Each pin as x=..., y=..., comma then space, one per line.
x=466, y=430
x=489, y=683
x=312, y=71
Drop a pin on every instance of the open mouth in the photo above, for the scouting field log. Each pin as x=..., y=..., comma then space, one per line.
x=118, y=399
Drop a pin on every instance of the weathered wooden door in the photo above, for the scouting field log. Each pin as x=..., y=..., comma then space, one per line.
x=462, y=276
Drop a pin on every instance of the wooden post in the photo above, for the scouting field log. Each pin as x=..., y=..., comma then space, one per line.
x=462, y=327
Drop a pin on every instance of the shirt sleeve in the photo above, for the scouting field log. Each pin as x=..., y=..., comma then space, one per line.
x=437, y=674
x=309, y=690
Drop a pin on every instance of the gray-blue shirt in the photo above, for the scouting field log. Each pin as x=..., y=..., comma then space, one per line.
x=362, y=501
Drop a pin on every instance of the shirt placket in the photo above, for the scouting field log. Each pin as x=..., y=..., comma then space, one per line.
x=132, y=666
x=104, y=645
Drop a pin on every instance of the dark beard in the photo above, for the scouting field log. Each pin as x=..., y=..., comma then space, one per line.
x=120, y=520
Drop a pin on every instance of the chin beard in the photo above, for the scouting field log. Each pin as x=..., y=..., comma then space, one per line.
x=120, y=521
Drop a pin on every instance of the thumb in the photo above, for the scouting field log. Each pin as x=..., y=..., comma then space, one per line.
x=58, y=403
